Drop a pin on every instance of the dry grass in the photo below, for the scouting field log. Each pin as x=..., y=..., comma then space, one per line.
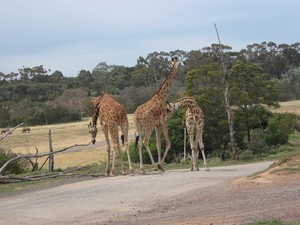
x=63, y=135
x=290, y=106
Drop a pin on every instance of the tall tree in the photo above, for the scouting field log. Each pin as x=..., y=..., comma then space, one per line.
x=234, y=152
x=250, y=87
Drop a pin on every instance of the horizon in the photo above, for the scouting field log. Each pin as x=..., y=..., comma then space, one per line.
x=72, y=35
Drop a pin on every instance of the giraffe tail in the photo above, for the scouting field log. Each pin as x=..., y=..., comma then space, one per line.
x=122, y=138
x=136, y=141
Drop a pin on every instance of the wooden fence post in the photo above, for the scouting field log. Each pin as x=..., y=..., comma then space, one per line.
x=184, y=145
x=51, y=156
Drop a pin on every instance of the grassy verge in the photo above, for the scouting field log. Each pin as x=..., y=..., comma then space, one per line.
x=272, y=222
x=282, y=155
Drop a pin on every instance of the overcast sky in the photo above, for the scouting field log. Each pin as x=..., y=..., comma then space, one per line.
x=70, y=35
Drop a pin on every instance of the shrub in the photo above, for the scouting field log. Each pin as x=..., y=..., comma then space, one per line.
x=257, y=141
x=297, y=125
x=280, y=125
x=15, y=167
x=246, y=155
x=135, y=157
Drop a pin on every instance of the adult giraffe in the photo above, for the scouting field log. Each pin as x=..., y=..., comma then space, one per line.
x=153, y=114
x=194, y=121
x=111, y=116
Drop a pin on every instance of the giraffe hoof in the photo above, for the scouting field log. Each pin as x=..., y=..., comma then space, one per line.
x=207, y=169
x=142, y=171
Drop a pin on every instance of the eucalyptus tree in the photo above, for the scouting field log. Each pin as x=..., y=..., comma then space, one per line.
x=250, y=87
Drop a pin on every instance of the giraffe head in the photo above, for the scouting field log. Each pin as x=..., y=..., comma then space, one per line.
x=171, y=107
x=93, y=131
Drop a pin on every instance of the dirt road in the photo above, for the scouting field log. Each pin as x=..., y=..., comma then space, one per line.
x=173, y=197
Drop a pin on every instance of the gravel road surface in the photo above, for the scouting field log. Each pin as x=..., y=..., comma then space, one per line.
x=173, y=197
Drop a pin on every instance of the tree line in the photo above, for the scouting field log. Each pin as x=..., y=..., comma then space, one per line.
x=260, y=74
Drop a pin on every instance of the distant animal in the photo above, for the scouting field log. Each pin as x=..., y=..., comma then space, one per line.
x=4, y=131
x=26, y=130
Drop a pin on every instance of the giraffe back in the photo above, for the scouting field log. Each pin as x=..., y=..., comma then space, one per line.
x=110, y=112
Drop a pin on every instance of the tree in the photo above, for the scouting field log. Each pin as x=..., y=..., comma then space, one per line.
x=225, y=63
x=56, y=77
x=206, y=84
x=250, y=87
x=74, y=99
x=141, y=76
x=85, y=79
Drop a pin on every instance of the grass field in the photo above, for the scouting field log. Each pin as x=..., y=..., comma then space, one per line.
x=65, y=135
x=290, y=106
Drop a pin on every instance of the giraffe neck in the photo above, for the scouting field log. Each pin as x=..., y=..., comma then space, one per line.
x=97, y=109
x=95, y=115
x=186, y=102
x=164, y=89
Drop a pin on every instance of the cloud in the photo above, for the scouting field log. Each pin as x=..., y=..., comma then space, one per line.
x=71, y=35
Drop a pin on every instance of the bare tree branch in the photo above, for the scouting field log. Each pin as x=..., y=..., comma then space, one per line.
x=10, y=131
x=234, y=153
x=28, y=156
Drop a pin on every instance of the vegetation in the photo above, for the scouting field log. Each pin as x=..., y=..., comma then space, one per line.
x=15, y=167
x=270, y=222
x=259, y=76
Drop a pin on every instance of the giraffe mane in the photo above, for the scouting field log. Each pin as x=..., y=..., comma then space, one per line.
x=174, y=60
x=186, y=98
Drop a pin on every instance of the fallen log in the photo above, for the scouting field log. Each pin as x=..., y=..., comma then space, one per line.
x=29, y=156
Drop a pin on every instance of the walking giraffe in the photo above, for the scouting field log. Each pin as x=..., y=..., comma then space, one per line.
x=111, y=116
x=194, y=121
x=153, y=115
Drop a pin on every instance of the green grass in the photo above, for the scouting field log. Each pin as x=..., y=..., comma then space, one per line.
x=282, y=155
x=271, y=222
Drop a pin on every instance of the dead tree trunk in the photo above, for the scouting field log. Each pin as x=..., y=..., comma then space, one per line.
x=234, y=152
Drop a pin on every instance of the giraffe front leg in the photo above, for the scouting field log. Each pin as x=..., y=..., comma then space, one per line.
x=140, y=146
x=204, y=160
x=129, y=159
x=121, y=161
x=195, y=159
x=203, y=153
x=168, y=142
x=107, y=169
x=146, y=143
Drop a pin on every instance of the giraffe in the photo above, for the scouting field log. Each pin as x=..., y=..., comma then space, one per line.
x=194, y=121
x=153, y=115
x=111, y=116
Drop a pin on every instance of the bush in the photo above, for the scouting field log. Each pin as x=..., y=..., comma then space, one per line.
x=15, y=167
x=280, y=125
x=297, y=125
x=246, y=155
x=135, y=157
